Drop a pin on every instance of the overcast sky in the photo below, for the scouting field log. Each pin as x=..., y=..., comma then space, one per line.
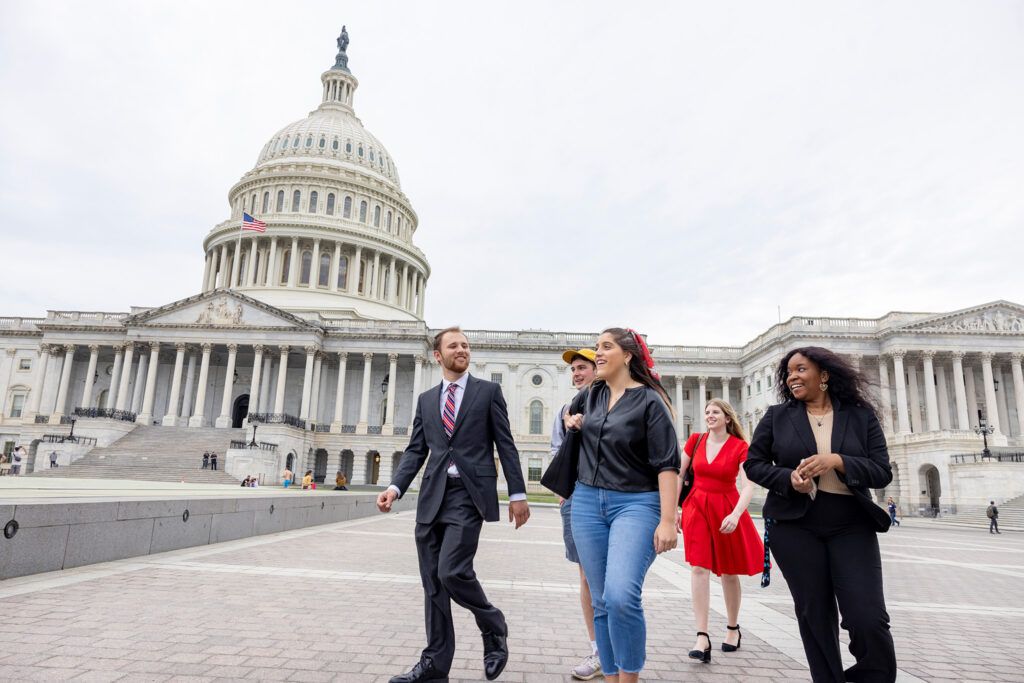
x=683, y=168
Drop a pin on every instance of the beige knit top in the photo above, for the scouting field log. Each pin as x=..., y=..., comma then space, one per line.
x=828, y=482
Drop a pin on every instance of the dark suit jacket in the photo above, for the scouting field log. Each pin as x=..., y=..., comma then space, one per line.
x=784, y=437
x=482, y=424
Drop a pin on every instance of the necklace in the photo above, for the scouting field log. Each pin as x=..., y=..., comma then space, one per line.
x=820, y=419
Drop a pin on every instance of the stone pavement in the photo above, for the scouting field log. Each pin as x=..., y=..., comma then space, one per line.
x=342, y=602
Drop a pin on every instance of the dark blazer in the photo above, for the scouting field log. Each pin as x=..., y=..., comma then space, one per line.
x=784, y=437
x=482, y=424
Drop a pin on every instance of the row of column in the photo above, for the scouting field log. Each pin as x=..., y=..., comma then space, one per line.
x=387, y=278
x=937, y=412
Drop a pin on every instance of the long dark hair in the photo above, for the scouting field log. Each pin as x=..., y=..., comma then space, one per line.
x=846, y=384
x=638, y=369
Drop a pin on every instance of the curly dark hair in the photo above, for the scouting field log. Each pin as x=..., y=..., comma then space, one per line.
x=846, y=384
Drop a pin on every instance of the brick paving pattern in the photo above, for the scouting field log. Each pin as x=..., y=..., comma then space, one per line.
x=343, y=603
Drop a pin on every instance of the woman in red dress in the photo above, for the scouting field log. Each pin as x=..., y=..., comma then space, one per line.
x=718, y=534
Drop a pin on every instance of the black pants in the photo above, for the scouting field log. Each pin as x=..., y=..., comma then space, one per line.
x=446, y=548
x=828, y=556
x=993, y=526
x=213, y=464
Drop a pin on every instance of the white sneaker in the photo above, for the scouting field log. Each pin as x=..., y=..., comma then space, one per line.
x=588, y=669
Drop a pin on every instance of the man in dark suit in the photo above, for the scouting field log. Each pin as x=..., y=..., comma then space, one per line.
x=458, y=425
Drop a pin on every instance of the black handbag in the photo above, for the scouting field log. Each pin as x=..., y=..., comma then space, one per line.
x=561, y=475
x=688, y=475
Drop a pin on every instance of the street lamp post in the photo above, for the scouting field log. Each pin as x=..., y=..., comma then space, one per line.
x=984, y=429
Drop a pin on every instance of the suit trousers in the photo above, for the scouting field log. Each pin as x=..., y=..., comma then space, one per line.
x=446, y=548
x=831, y=555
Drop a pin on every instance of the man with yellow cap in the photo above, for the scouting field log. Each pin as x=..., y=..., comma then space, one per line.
x=582, y=363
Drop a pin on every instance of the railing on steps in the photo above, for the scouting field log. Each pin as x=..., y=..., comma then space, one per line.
x=42, y=419
x=348, y=429
x=322, y=428
x=277, y=418
x=401, y=431
x=980, y=457
x=67, y=438
x=247, y=445
x=123, y=415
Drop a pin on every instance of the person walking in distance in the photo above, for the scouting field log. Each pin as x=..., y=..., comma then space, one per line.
x=206, y=460
x=213, y=460
x=581, y=362
x=53, y=459
x=890, y=505
x=992, y=512
x=457, y=427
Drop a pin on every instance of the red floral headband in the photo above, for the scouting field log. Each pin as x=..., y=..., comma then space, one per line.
x=645, y=353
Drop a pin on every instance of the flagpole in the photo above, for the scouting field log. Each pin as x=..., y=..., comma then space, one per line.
x=238, y=249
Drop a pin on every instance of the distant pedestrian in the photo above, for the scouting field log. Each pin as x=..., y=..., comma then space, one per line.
x=53, y=459
x=287, y=477
x=206, y=460
x=993, y=517
x=17, y=458
x=891, y=505
x=254, y=483
x=245, y=482
x=213, y=460
x=340, y=482
x=307, y=481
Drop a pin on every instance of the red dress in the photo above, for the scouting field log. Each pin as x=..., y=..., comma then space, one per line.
x=711, y=500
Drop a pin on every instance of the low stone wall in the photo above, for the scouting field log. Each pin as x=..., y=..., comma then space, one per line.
x=42, y=537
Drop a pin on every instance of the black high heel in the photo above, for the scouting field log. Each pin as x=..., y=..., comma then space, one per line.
x=705, y=654
x=726, y=647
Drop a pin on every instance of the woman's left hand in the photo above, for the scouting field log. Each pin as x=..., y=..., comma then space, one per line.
x=817, y=465
x=665, y=537
x=730, y=523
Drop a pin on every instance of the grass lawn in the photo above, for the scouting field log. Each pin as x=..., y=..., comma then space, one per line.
x=533, y=498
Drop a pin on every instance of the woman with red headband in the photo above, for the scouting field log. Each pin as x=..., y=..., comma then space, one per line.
x=625, y=499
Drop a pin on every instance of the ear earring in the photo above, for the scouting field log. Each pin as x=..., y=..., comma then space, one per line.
x=823, y=386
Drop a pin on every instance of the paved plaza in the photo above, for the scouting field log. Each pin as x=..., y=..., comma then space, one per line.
x=343, y=602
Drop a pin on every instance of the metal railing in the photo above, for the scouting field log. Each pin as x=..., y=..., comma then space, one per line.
x=401, y=431
x=42, y=419
x=67, y=438
x=961, y=458
x=109, y=413
x=322, y=427
x=277, y=418
x=348, y=429
x=242, y=444
x=373, y=429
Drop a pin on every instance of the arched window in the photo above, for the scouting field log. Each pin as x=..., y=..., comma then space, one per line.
x=362, y=211
x=388, y=223
x=347, y=208
x=360, y=150
x=376, y=216
x=296, y=200
x=343, y=273
x=295, y=142
x=313, y=197
x=266, y=202
x=280, y=201
x=252, y=204
x=371, y=155
x=323, y=277
x=309, y=141
x=243, y=262
x=361, y=285
x=330, y=204
x=286, y=265
x=536, y=417
x=334, y=145
x=284, y=142
x=323, y=142
x=348, y=147
x=305, y=267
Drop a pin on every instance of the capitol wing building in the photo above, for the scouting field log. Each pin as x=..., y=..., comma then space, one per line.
x=313, y=331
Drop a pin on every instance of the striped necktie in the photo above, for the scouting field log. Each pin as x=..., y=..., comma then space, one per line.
x=448, y=414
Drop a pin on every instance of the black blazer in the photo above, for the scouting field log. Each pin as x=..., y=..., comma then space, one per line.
x=783, y=437
x=482, y=424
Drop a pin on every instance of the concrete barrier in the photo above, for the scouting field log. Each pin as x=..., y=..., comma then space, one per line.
x=46, y=536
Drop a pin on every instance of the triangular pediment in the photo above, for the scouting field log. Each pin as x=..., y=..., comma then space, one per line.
x=218, y=309
x=997, y=317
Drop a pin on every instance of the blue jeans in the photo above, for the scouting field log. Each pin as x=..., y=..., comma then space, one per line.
x=614, y=533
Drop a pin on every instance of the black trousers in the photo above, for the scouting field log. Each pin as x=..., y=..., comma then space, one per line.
x=993, y=525
x=446, y=548
x=831, y=556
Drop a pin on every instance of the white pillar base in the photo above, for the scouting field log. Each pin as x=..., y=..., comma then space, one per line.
x=362, y=428
x=198, y=421
x=387, y=430
x=55, y=419
x=223, y=421
x=144, y=419
x=335, y=428
x=172, y=421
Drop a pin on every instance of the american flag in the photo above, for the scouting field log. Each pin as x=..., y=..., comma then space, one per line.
x=250, y=223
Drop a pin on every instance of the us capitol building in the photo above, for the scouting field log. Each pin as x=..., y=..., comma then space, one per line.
x=314, y=331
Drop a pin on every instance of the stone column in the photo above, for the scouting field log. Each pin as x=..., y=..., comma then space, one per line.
x=293, y=263
x=314, y=266
x=199, y=419
x=126, y=370
x=421, y=298
x=403, y=289
x=115, y=377
x=264, y=403
x=250, y=276
x=725, y=389
x=190, y=390
x=171, y=417
x=963, y=421
x=930, y=399
x=222, y=278
x=389, y=417
x=140, y=382
x=357, y=269
x=375, y=280
x=224, y=419
x=1018, y=388
x=36, y=395
x=914, y=394
x=307, y=383
x=339, y=394
x=206, y=279
x=314, y=399
x=943, y=389
x=698, y=412
x=902, y=414
x=1002, y=401
x=282, y=378
x=254, y=385
x=271, y=270
x=392, y=293
x=364, y=401
x=884, y=395
x=147, y=403
x=90, y=374
x=680, y=417
x=417, y=387
x=972, y=396
x=335, y=267
x=236, y=263
x=991, y=406
x=6, y=369
x=62, y=388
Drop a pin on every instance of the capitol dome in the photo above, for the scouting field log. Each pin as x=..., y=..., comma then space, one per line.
x=329, y=193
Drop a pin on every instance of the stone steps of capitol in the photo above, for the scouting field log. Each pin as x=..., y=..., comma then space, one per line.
x=194, y=476
x=1011, y=516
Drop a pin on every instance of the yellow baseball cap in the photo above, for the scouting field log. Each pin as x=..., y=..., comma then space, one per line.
x=569, y=354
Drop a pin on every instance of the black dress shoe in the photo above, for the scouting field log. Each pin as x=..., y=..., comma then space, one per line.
x=495, y=654
x=423, y=671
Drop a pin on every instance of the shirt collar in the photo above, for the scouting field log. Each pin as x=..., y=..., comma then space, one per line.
x=460, y=382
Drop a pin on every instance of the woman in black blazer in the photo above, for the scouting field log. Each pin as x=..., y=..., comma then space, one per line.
x=818, y=453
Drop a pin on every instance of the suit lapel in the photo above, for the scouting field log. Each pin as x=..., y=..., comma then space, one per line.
x=433, y=407
x=840, y=418
x=472, y=389
x=798, y=416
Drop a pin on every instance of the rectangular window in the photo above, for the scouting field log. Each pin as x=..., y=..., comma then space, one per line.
x=759, y=386
x=496, y=377
x=748, y=391
x=25, y=364
x=686, y=394
x=707, y=395
x=17, y=405
x=534, y=472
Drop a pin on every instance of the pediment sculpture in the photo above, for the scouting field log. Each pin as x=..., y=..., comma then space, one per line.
x=990, y=321
x=220, y=313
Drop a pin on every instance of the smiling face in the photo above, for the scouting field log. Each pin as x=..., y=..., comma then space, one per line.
x=611, y=358
x=453, y=354
x=714, y=416
x=582, y=372
x=804, y=378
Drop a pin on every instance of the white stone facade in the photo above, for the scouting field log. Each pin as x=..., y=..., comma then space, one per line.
x=336, y=336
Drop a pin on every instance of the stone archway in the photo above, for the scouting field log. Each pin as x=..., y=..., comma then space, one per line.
x=240, y=411
x=319, y=465
x=372, y=467
x=348, y=463
x=931, y=489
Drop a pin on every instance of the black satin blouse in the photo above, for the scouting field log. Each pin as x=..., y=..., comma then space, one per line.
x=626, y=449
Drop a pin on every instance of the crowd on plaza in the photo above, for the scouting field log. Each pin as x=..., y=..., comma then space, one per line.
x=627, y=489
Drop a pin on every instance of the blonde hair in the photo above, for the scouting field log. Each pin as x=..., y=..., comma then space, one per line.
x=733, y=427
